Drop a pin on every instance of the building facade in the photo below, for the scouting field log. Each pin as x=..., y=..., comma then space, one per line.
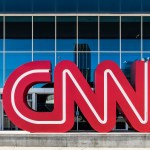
x=84, y=32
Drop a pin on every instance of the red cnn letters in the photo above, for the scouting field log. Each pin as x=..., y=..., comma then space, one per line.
x=98, y=106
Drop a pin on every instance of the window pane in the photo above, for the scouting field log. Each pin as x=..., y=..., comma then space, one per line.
x=46, y=56
x=109, y=34
x=1, y=70
x=88, y=6
x=66, y=33
x=1, y=33
x=109, y=6
x=146, y=33
x=88, y=32
x=115, y=57
x=131, y=33
x=18, y=33
x=130, y=6
x=65, y=56
x=87, y=63
x=44, y=33
x=17, y=59
x=146, y=56
x=126, y=60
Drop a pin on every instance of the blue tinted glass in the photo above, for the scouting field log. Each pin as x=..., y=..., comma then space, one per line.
x=146, y=56
x=131, y=33
x=44, y=44
x=146, y=33
x=109, y=34
x=109, y=5
x=2, y=5
x=66, y=33
x=46, y=56
x=1, y=33
x=145, y=6
x=18, y=33
x=44, y=33
x=44, y=6
x=66, y=56
x=14, y=60
x=109, y=45
x=128, y=58
x=88, y=33
x=92, y=43
x=115, y=57
x=94, y=63
x=18, y=5
x=131, y=45
x=146, y=44
x=87, y=63
x=131, y=6
x=1, y=70
x=1, y=44
x=18, y=44
x=87, y=6
x=66, y=5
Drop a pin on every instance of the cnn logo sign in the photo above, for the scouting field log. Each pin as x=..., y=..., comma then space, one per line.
x=98, y=106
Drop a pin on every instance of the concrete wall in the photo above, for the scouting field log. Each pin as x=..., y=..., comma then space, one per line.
x=121, y=140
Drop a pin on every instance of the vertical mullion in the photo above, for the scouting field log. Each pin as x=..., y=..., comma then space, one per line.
x=55, y=39
x=141, y=37
x=120, y=40
x=4, y=63
x=77, y=64
x=32, y=38
x=98, y=39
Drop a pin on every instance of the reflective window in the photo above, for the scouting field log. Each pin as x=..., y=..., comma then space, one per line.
x=146, y=56
x=129, y=58
x=44, y=6
x=18, y=33
x=18, y=5
x=71, y=6
x=66, y=56
x=1, y=70
x=1, y=33
x=106, y=6
x=66, y=33
x=126, y=60
x=46, y=56
x=115, y=57
x=87, y=6
x=146, y=33
x=44, y=33
x=88, y=32
x=131, y=33
x=109, y=34
x=131, y=6
x=14, y=60
x=87, y=63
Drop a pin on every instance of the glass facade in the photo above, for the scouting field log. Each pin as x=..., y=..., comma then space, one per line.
x=84, y=40
x=74, y=6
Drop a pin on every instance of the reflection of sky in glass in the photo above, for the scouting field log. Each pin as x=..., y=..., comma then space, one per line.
x=131, y=44
x=109, y=44
x=128, y=58
x=14, y=60
x=66, y=44
x=1, y=70
x=46, y=56
x=18, y=44
x=44, y=45
x=57, y=6
x=110, y=56
x=93, y=43
x=65, y=56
